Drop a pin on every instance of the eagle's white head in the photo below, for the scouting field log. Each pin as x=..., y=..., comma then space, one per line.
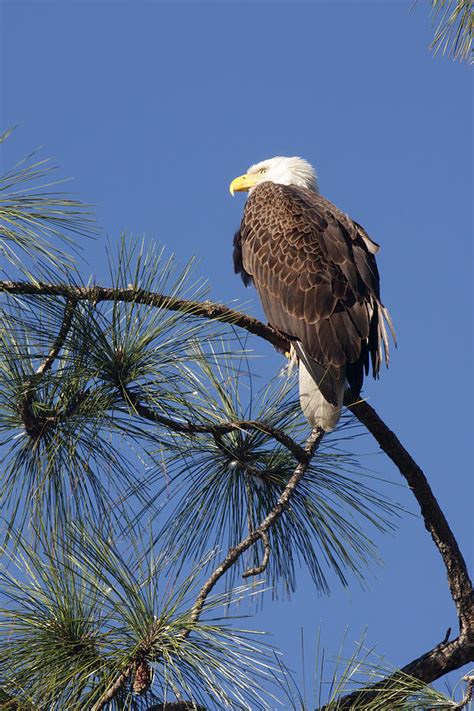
x=281, y=169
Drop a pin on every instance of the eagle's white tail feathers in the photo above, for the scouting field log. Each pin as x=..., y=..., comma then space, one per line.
x=317, y=410
x=388, y=319
x=384, y=320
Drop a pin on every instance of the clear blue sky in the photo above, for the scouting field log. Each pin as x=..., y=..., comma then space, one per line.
x=153, y=107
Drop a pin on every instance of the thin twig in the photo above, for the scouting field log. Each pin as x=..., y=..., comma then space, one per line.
x=250, y=572
x=33, y=426
x=234, y=553
x=36, y=427
x=61, y=337
x=447, y=635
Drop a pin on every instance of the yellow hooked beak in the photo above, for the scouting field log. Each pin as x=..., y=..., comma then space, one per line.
x=242, y=183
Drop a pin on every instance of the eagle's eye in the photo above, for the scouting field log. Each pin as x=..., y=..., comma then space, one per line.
x=262, y=171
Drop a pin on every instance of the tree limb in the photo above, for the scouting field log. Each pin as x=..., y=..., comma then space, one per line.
x=203, y=309
x=218, y=429
x=434, y=519
x=446, y=656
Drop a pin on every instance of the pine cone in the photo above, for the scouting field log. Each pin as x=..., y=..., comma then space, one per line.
x=142, y=680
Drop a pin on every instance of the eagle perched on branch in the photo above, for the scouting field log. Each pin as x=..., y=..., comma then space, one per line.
x=315, y=272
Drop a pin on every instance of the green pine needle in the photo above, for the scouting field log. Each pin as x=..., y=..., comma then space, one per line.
x=36, y=220
x=79, y=612
x=455, y=28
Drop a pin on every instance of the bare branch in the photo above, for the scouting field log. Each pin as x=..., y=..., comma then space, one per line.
x=446, y=656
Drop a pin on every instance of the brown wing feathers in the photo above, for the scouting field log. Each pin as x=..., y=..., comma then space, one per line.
x=316, y=276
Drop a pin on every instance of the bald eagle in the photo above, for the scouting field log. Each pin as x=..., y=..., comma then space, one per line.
x=315, y=272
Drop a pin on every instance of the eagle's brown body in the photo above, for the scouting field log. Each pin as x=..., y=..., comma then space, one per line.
x=315, y=272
